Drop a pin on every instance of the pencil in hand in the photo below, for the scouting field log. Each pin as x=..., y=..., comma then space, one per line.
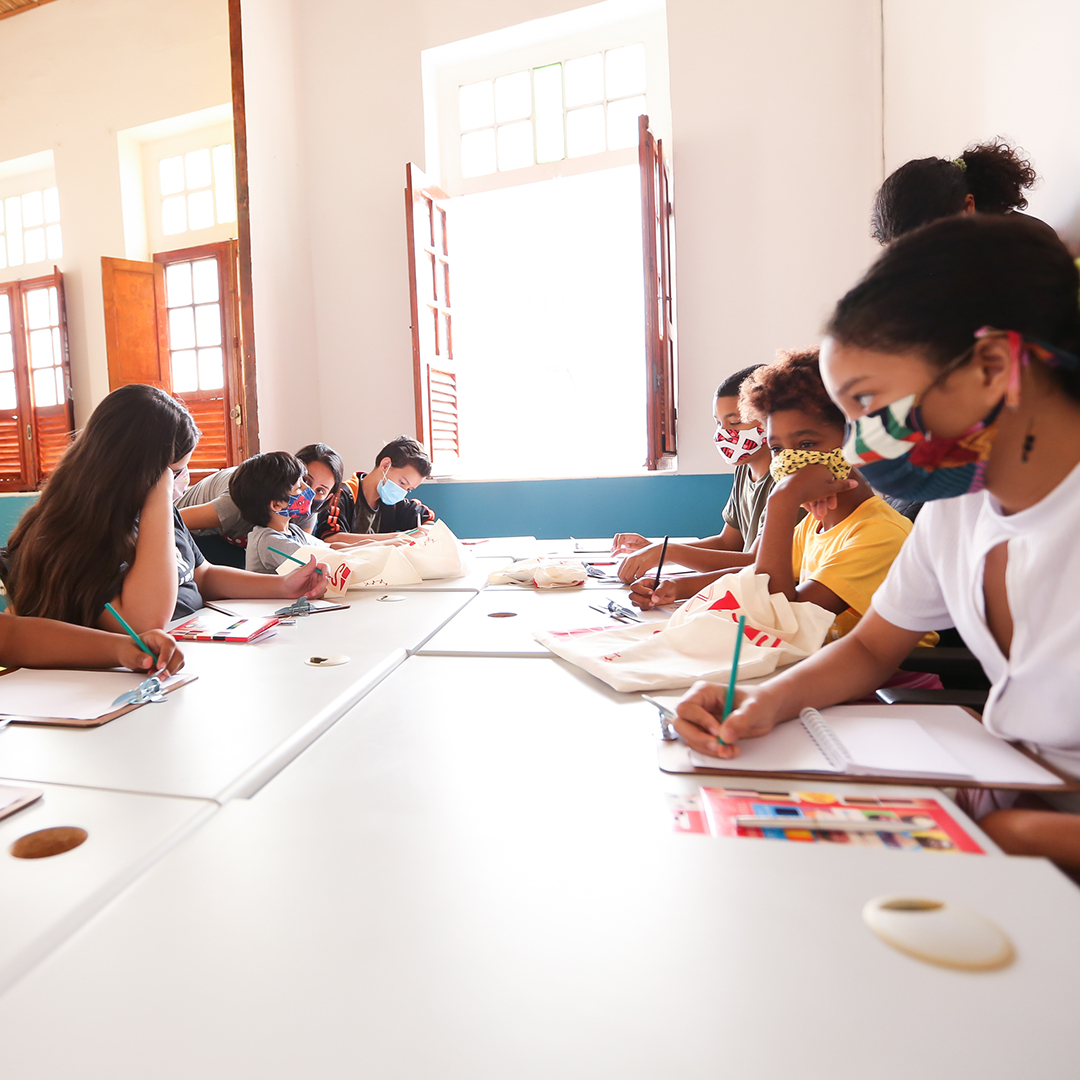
x=131, y=633
x=291, y=558
x=660, y=564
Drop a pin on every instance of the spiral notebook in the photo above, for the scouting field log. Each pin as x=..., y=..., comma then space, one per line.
x=935, y=743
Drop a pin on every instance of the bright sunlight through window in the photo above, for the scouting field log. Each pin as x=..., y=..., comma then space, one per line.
x=198, y=189
x=30, y=228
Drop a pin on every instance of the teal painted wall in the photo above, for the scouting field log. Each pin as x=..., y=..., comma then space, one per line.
x=11, y=509
x=651, y=505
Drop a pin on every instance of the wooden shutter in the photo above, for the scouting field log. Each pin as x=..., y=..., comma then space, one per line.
x=434, y=369
x=17, y=471
x=136, y=333
x=657, y=224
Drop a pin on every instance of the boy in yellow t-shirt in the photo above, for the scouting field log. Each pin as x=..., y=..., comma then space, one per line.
x=841, y=551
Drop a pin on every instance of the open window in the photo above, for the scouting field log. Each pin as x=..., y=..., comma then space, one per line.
x=657, y=226
x=434, y=371
x=174, y=323
x=36, y=413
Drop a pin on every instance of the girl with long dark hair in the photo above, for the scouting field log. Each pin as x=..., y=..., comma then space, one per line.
x=105, y=529
x=957, y=361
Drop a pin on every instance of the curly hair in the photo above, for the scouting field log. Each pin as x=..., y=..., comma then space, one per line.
x=926, y=189
x=792, y=381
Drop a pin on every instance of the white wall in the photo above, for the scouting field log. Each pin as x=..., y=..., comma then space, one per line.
x=962, y=71
x=777, y=155
x=75, y=72
x=775, y=111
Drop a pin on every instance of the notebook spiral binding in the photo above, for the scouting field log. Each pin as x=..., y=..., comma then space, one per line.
x=832, y=749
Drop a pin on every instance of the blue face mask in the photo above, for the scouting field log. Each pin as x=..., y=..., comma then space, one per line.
x=299, y=504
x=389, y=492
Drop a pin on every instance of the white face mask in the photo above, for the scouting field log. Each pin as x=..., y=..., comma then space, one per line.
x=180, y=482
x=735, y=446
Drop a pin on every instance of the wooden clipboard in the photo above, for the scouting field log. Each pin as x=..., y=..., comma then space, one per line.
x=29, y=795
x=62, y=721
x=674, y=757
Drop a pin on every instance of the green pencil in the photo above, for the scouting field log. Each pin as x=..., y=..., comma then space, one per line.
x=131, y=633
x=730, y=697
x=291, y=558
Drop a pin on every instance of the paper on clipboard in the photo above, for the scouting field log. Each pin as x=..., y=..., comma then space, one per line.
x=85, y=696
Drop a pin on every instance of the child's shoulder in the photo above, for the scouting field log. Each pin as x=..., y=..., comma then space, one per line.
x=876, y=515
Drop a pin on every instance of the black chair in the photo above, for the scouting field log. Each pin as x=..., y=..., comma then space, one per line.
x=218, y=550
x=964, y=681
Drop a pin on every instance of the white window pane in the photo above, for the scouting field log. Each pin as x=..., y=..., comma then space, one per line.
x=181, y=328
x=61, y=392
x=7, y=353
x=224, y=183
x=197, y=169
x=54, y=307
x=178, y=284
x=13, y=217
x=476, y=105
x=625, y=71
x=585, y=131
x=5, y=314
x=33, y=210
x=547, y=93
x=185, y=374
x=208, y=324
x=622, y=122
x=513, y=97
x=211, y=370
x=54, y=241
x=171, y=174
x=478, y=153
x=174, y=215
x=44, y=388
x=200, y=208
x=37, y=309
x=8, y=399
x=204, y=276
x=3, y=253
x=51, y=200
x=57, y=355
x=41, y=352
x=515, y=145
x=34, y=245
x=584, y=80
x=14, y=249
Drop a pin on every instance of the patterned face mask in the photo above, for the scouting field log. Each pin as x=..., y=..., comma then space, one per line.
x=735, y=446
x=899, y=457
x=786, y=462
x=299, y=504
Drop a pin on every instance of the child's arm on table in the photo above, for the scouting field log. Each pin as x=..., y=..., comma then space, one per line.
x=44, y=643
x=693, y=556
x=228, y=583
x=147, y=595
x=842, y=671
x=200, y=516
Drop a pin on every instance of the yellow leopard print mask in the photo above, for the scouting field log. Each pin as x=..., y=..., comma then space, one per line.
x=786, y=462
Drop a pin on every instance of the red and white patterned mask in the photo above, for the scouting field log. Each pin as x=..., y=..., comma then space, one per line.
x=735, y=446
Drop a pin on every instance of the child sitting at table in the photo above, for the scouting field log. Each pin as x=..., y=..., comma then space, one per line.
x=105, y=528
x=269, y=490
x=741, y=443
x=375, y=505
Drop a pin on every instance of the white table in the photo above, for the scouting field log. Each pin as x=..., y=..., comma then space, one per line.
x=509, y=547
x=252, y=709
x=44, y=900
x=481, y=628
x=474, y=580
x=480, y=884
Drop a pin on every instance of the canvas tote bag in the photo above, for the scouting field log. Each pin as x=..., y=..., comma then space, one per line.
x=698, y=641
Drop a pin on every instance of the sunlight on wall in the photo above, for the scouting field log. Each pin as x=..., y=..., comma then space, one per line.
x=549, y=327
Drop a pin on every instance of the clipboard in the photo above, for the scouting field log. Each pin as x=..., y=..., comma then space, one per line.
x=25, y=798
x=175, y=683
x=674, y=757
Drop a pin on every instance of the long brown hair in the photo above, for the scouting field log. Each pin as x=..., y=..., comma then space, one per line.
x=67, y=555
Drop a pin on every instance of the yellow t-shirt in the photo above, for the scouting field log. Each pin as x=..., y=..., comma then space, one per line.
x=851, y=558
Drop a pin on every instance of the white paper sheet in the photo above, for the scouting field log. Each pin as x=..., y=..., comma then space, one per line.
x=65, y=695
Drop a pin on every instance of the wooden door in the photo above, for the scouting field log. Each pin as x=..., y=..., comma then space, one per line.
x=207, y=368
x=17, y=472
x=434, y=368
x=136, y=331
x=658, y=243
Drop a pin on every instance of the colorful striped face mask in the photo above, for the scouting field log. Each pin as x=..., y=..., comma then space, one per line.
x=897, y=456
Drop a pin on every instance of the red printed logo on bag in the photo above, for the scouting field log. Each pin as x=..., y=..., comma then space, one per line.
x=727, y=602
x=340, y=576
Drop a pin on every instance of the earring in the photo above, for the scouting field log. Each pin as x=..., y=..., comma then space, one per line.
x=1029, y=444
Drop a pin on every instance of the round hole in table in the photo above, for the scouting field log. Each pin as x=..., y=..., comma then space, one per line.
x=501, y=614
x=47, y=842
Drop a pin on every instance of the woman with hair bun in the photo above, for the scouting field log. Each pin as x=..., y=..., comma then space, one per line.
x=990, y=178
x=956, y=361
